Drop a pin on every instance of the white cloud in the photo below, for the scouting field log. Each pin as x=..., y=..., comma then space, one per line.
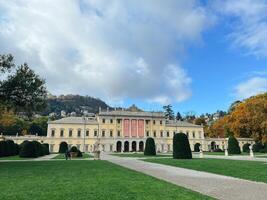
x=252, y=86
x=248, y=20
x=109, y=49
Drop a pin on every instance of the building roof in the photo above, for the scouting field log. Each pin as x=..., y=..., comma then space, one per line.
x=181, y=124
x=126, y=113
x=74, y=120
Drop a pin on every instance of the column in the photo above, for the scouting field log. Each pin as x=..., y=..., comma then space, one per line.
x=122, y=146
x=130, y=146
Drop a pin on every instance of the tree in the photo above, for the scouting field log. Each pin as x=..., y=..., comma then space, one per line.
x=6, y=63
x=233, y=106
x=169, y=114
x=24, y=91
x=245, y=148
x=197, y=147
x=200, y=121
x=181, y=147
x=233, y=146
x=63, y=147
x=150, y=148
x=35, y=129
x=179, y=117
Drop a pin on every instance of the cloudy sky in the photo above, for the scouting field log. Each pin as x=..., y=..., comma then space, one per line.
x=197, y=55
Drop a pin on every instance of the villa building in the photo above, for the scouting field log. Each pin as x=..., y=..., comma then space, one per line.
x=124, y=131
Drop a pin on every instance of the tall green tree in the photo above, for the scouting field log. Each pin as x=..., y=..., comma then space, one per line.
x=169, y=114
x=22, y=91
x=179, y=117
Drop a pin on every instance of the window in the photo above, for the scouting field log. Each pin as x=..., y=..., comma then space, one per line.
x=52, y=133
x=111, y=133
x=147, y=122
x=154, y=122
x=103, y=121
x=70, y=133
x=111, y=121
x=193, y=134
x=87, y=133
x=155, y=134
x=160, y=122
x=168, y=134
x=119, y=133
x=61, y=133
x=103, y=133
x=147, y=133
x=118, y=121
x=161, y=134
x=79, y=133
x=95, y=133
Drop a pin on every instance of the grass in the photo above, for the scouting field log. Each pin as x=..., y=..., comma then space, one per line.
x=250, y=170
x=138, y=155
x=14, y=158
x=222, y=154
x=84, y=180
x=62, y=156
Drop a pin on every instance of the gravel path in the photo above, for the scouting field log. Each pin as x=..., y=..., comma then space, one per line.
x=217, y=186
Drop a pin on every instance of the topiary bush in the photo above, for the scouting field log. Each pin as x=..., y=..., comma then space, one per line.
x=38, y=148
x=257, y=147
x=11, y=149
x=46, y=149
x=150, y=148
x=63, y=147
x=181, y=147
x=218, y=150
x=196, y=147
x=245, y=148
x=74, y=149
x=28, y=150
x=233, y=146
x=79, y=154
x=2, y=148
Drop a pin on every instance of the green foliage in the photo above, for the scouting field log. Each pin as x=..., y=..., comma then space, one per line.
x=79, y=155
x=23, y=91
x=31, y=149
x=150, y=148
x=181, y=147
x=257, y=147
x=8, y=148
x=196, y=147
x=46, y=149
x=6, y=63
x=233, y=146
x=245, y=148
x=179, y=117
x=63, y=147
x=169, y=114
x=28, y=150
x=74, y=149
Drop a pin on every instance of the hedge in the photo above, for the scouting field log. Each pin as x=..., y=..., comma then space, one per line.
x=150, y=148
x=233, y=146
x=32, y=149
x=257, y=147
x=8, y=148
x=63, y=147
x=181, y=147
x=196, y=147
x=245, y=148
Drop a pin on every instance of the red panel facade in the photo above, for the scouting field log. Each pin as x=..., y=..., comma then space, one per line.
x=134, y=127
x=141, y=128
x=126, y=127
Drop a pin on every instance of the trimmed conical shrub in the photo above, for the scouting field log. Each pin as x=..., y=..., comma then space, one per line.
x=63, y=147
x=245, y=148
x=150, y=148
x=196, y=147
x=233, y=146
x=181, y=147
x=28, y=150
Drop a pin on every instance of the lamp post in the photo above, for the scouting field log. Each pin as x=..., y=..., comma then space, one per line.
x=84, y=125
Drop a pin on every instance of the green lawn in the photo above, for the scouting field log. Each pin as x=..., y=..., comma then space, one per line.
x=222, y=154
x=138, y=155
x=251, y=170
x=79, y=179
x=62, y=156
x=13, y=158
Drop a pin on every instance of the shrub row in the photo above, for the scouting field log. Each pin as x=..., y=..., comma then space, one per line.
x=8, y=148
x=33, y=149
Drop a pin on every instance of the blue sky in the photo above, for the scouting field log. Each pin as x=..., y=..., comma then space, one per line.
x=199, y=56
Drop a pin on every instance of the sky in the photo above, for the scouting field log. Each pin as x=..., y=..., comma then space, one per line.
x=198, y=56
